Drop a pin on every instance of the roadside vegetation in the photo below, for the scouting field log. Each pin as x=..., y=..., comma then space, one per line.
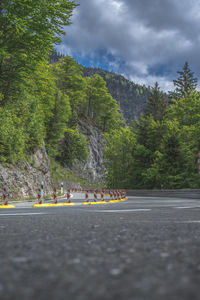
x=43, y=99
x=160, y=149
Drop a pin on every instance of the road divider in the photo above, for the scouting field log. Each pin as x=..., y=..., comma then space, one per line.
x=55, y=203
x=115, y=196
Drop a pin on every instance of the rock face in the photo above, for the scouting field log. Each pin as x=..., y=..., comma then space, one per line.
x=23, y=180
x=93, y=169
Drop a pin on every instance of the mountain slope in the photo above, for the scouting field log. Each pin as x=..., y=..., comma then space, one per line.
x=130, y=96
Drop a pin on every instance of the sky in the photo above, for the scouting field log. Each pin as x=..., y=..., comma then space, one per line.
x=144, y=40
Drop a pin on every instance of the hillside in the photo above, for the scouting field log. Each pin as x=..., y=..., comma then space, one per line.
x=130, y=96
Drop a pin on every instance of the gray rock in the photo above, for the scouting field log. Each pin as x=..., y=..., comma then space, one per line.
x=23, y=179
x=92, y=170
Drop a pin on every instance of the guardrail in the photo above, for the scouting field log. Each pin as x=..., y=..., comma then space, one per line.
x=182, y=193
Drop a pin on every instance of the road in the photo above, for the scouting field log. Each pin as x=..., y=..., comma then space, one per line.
x=140, y=249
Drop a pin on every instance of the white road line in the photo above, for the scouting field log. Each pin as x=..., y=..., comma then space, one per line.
x=188, y=222
x=121, y=211
x=186, y=207
x=21, y=214
x=169, y=199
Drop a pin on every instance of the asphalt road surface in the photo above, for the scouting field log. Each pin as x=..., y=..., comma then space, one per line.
x=143, y=248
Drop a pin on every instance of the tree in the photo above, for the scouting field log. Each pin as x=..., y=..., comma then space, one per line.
x=118, y=154
x=149, y=134
x=156, y=104
x=101, y=107
x=28, y=29
x=73, y=146
x=185, y=83
x=165, y=152
x=58, y=122
x=70, y=80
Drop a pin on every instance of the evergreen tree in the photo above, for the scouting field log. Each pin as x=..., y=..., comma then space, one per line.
x=70, y=81
x=73, y=146
x=101, y=107
x=185, y=83
x=58, y=123
x=118, y=154
x=156, y=104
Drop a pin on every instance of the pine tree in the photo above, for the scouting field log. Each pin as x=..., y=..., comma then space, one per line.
x=185, y=83
x=156, y=104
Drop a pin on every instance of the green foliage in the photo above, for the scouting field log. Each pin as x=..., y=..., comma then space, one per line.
x=60, y=174
x=73, y=146
x=164, y=152
x=58, y=122
x=156, y=104
x=28, y=29
x=185, y=83
x=12, y=140
x=71, y=82
x=41, y=102
x=101, y=107
x=118, y=155
x=130, y=97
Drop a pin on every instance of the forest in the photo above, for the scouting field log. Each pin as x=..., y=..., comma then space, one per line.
x=42, y=101
x=131, y=97
x=159, y=150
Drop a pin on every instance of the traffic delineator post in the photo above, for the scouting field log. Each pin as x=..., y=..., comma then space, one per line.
x=5, y=196
x=95, y=198
x=115, y=196
x=39, y=196
x=102, y=201
x=86, y=199
x=55, y=196
x=122, y=195
x=102, y=196
x=111, y=197
x=68, y=196
x=39, y=204
x=5, y=200
x=55, y=204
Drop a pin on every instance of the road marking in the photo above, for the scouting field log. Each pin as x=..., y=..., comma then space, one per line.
x=186, y=207
x=188, y=222
x=146, y=198
x=21, y=214
x=123, y=210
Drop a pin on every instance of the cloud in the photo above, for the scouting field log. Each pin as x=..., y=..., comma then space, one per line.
x=141, y=39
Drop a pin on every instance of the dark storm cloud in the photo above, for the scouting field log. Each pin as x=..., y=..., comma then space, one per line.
x=147, y=40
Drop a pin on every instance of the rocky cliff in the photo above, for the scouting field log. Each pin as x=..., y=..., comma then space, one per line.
x=91, y=171
x=22, y=180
